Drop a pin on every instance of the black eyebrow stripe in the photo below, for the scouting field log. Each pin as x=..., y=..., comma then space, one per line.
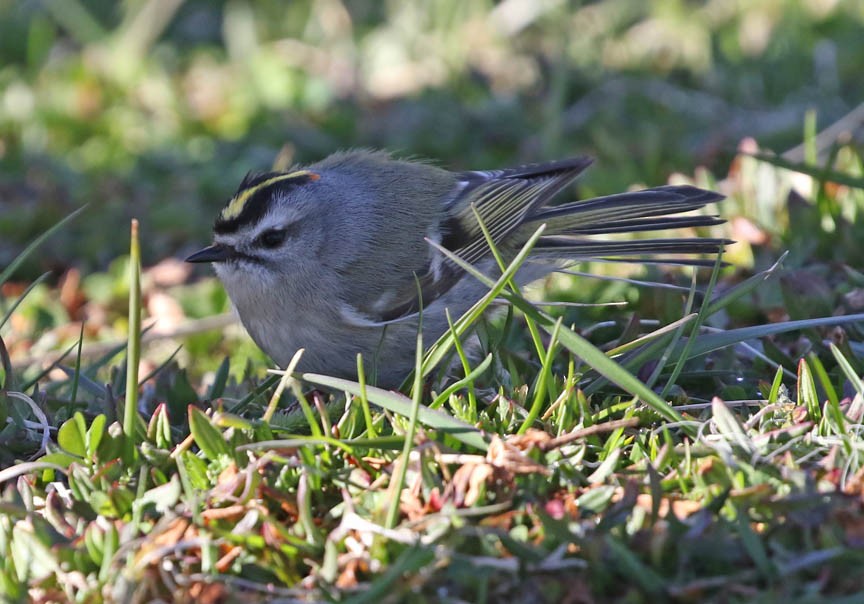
x=253, y=211
x=257, y=205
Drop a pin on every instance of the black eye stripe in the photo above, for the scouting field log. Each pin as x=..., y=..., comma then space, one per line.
x=273, y=238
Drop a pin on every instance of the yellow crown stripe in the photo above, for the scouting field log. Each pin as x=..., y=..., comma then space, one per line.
x=236, y=205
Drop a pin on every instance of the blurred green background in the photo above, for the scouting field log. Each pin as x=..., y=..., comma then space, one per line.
x=156, y=109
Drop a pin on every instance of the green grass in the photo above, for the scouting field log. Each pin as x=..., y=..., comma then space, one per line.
x=539, y=487
x=699, y=443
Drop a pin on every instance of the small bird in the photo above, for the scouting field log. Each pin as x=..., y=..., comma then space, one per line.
x=335, y=257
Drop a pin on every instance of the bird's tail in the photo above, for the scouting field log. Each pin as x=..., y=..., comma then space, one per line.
x=570, y=226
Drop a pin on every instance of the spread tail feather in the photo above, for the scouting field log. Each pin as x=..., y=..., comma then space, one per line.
x=634, y=212
x=624, y=212
x=571, y=248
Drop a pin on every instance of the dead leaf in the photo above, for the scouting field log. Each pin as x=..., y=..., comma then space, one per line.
x=166, y=311
x=225, y=562
x=509, y=457
x=169, y=272
x=232, y=511
x=476, y=480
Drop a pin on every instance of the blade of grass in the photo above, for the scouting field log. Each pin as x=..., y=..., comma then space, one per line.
x=133, y=348
x=220, y=380
x=20, y=258
x=265, y=385
x=774, y=394
x=277, y=394
x=364, y=400
x=848, y=370
x=646, y=577
x=669, y=332
x=745, y=287
x=675, y=337
x=442, y=346
x=73, y=397
x=38, y=377
x=653, y=350
x=545, y=373
x=466, y=367
x=463, y=383
x=579, y=346
x=162, y=366
x=398, y=482
x=502, y=266
x=817, y=172
x=694, y=331
x=6, y=365
x=824, y=380
x=399, y=403
x=21, y=298
x=716, y=341
x=392, y=581
x=807, y=395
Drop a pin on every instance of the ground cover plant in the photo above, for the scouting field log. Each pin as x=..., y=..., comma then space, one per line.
x=641, y=434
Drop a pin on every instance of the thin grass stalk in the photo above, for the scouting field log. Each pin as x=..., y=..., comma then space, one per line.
x=466, y=367
x=697, y=324
x=466, y=382
x=283, y=383
x=688, y=308
x=442, y=346
x=575, y=343
x=402, y=468
x=774, y=393
x=20, y=258
x=73, y=397
x=545, y=371
x=133, y=346
x=20, y=298
x=364, y=399
x=502, y=266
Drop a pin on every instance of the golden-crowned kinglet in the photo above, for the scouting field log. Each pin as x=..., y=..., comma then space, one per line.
x=334, y=257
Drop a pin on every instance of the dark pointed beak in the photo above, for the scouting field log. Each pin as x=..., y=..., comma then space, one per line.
x=213, y=253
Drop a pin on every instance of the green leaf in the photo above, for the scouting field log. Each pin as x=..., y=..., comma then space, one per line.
x=753, y=545
x=181, y=392
x=159, y=428
x=596, y=500
x=195, y=470
x=60, y=458
x=94, y=542
x=163, y=497
x=208, y=438
x=220, y=380
x=102, y=504
x=95, y=434
x=775, y=386
x=628, y=562
x=729, y=427
x=34, y=556
x=807, y=394
x=72, y=436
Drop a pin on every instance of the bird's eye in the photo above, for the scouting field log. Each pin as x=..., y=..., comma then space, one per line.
x=272, y=238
